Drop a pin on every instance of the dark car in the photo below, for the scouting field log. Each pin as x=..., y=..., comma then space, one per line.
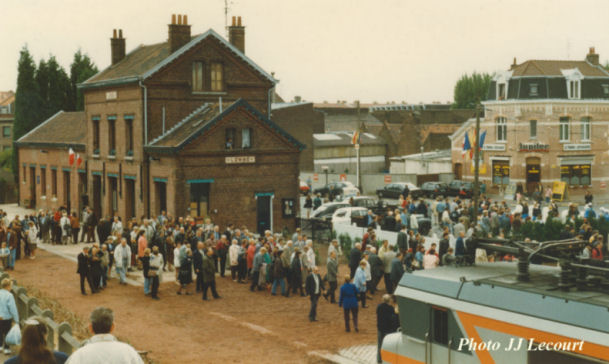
x=336, y=189
x=378, y=207
x=394, y=190
x=463, y=188
x=434, y=189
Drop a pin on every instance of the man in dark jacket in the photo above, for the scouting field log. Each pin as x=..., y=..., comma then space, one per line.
x=83, y=270
x=197, y=264
x=209, y=275
x=444, y=243
x=376, y=269
x=385, y=322
x=402, y=240
x=397, y=269
x=354, y=258
x=314, y=286
x=332, y=271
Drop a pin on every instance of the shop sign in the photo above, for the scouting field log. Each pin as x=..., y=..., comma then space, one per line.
x=240, y=159
x=494, y=147
x=111, y=95
x=315, y=177
x=533, y=147
x=387, y=178
x=572, y=147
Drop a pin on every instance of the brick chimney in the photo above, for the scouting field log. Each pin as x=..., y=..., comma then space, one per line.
x=236, y=34
x=514, y=64
x=117, y=46
x=592, y=57
x=179, y=32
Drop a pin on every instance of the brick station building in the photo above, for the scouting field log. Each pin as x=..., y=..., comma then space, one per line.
x=181, y=126
x=545, y=121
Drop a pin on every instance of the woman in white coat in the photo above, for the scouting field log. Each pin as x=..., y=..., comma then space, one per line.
x=66, y=228
x=233, y=257
x=32, y=239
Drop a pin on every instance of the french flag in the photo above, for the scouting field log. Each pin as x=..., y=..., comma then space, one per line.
x=466, y=145
x=72, y=156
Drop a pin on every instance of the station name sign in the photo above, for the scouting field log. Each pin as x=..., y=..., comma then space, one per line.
x=577, y=147
x=495, y=147
x=240, y=159
x=533, y=147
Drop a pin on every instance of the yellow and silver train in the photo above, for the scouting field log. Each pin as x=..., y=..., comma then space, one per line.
x=502, y=313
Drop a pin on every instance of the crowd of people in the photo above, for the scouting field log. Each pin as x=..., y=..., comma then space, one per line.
x=283, y=264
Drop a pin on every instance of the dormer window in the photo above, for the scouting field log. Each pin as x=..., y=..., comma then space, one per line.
x=574, y=85
x=534, y=89
x=605, y=89
x=575, y=89
x=501, y=79
x=501, y=91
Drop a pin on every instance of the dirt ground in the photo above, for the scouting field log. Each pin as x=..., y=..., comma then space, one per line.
x=241, y=327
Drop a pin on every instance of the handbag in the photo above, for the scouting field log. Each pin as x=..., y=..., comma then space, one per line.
x=14, y=336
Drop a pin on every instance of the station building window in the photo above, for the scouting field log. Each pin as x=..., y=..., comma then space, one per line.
x=576, y=174
x=501, y=172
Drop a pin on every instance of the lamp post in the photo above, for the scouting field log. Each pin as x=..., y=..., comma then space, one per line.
x=476, y=192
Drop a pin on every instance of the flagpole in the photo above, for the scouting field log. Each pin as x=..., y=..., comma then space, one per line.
x=357, y=166
x=476, y=167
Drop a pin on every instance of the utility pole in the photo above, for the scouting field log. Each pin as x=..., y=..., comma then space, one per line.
x=476, y=193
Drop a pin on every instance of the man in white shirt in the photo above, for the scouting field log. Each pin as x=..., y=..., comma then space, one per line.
x=103, y=347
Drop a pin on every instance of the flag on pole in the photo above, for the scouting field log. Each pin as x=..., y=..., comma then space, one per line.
x=355, y=139
x=466, y=145
x=78, y=160
x=482, y=137
x=72, y=156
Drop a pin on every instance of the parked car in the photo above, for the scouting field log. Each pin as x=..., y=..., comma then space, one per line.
x=394, y=190
x=463, y=188
x=326, y=210
x=378, y=207
x=350, y=216
x=338, y=189
x=434, y=189
x=304, y=188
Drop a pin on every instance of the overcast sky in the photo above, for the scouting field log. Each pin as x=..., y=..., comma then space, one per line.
x=368, y=50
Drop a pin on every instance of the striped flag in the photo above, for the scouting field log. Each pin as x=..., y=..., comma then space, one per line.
x=466, y=145
x=355, y=139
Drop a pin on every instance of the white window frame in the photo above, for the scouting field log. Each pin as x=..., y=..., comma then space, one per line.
x=564, y=132
x=574, y=84
x=586, y=128
x=502, y=78
x=534, y=87
x=501, y=129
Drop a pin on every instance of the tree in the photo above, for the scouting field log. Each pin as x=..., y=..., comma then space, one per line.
x=471, y=89
x=27, y=100
x=82, y=68
x=54, y=87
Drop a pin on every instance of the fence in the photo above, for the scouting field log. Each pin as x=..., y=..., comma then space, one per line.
x=357, y=232
x=59, y=335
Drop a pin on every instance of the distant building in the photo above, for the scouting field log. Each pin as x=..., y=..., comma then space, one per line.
x=301, y=121
x=335, y=151
x=181, y=126
x=545, y=121
x=343, y=116
x=429, y=166
x=7, y=117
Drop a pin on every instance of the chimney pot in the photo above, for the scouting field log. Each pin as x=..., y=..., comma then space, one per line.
x=179, y=33
x=236, y=34
x=592, y=57
x=173, y=18
x=117, y=46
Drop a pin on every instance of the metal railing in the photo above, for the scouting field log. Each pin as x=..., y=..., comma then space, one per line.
x=59, y=336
